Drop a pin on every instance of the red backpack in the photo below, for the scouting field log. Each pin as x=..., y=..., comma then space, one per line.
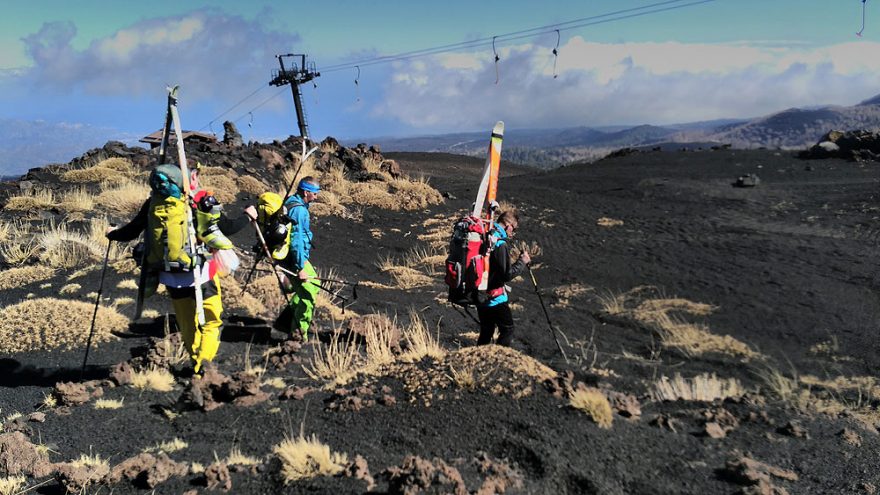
x=465, y=261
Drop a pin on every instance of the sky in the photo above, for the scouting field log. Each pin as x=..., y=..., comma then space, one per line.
x=107, y=63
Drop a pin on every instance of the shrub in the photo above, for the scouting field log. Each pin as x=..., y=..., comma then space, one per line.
x=251, y=185
x=10, y=485
x=62, y=248
x=77, y=199
x=304, y=458
x=336, y=362
x=124, y=199
x=594, y=403
x=218, y=181
x=48, y=323
x=420, y=342
x=91, y=174
x=37, y=200
x=701, y=388
x=158, y=379
x=25, y=275
x=108, y=404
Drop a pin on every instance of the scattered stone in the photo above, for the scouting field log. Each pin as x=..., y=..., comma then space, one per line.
x=747, y=180
x=719, y=422
x=18, y=424
x=147, y=470
x=217, y=477
x=37, y=417
x=793, y=429
x=75, y=394
x=868, y=487
x=18, y=456
x=77, y=478
x=387, y=400
x=391, y=167
x=120, y=373
x=756, y=475
x=359, y=469
x=562, y=385
x=853, y=145
x=500, y=477
x=295, y=393
x=851, y=437
x=665, y=421
x=626, y=405
x=416, y=475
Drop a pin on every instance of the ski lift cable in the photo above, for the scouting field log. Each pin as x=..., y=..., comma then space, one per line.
x=267, y=100
x=549, y=28
x=233, y=107
x=478, y=43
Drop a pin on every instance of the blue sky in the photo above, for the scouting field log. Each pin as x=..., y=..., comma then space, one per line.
x=106, y=64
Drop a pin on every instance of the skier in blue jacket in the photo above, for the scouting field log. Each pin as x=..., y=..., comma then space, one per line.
x=304, y=287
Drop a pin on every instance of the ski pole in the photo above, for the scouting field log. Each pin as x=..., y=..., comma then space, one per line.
x=247, y=280
x=302, y=161
x=95, y=314
x=546, y=314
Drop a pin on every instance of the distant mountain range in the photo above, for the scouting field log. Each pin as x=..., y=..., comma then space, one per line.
x=25, y=144
x=790, y=129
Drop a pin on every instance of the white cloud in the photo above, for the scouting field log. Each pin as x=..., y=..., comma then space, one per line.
x=627, y=83
x=209, y=53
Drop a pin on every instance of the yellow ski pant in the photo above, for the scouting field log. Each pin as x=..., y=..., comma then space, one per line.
x=201, y=341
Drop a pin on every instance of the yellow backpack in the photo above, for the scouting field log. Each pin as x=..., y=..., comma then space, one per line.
x=273, y=222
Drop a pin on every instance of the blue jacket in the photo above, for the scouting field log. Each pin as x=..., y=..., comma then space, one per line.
x=301, y=232
x=501, y=270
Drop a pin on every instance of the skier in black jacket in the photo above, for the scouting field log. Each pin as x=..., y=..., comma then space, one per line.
x=496, y=310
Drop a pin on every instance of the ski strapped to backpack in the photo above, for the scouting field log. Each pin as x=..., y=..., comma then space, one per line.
x=191, y=230
x=467, y=264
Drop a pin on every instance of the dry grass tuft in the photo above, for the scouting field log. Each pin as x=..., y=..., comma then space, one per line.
x=303, y=458
x=414, y=194
x=123, y=199
x=463, y=378
x=90, y=175
x=93, y=461
x=275, y=382
x=43, y=199
x=127, y=284
x=251, y=185
x=420, y=342
x=337, y=362
x=69, y=289
x=109, y=404
x=77, y=200
x=701, y=388
x=237, y=458
x=665, y=316
x=404, y=274
x=63, y=248
x=169, y=446
x=157, y=379
x=25, y=275
x=48, y=323
x=594, y=403
x=10, y=485
x=249, y=303
x=220, y=182
x=380, y=334
x=563, y=295
x=19, y=251
x=609, y=222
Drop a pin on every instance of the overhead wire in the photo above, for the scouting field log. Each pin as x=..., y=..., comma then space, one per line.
x=618, y=15
x=515, y=35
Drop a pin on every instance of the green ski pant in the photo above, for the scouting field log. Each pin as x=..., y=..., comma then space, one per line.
x=303, y=300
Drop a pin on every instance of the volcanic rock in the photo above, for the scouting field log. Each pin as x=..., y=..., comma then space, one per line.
x=359, y=469
x=500, y=477
x=749, y=472
x=231, y=136
x=271, y=159
x=18, y=456
x=77, y=478
x=217, y=477
x=74, y=394
x=416, y=475
x=147, y=470
x=794, y=429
